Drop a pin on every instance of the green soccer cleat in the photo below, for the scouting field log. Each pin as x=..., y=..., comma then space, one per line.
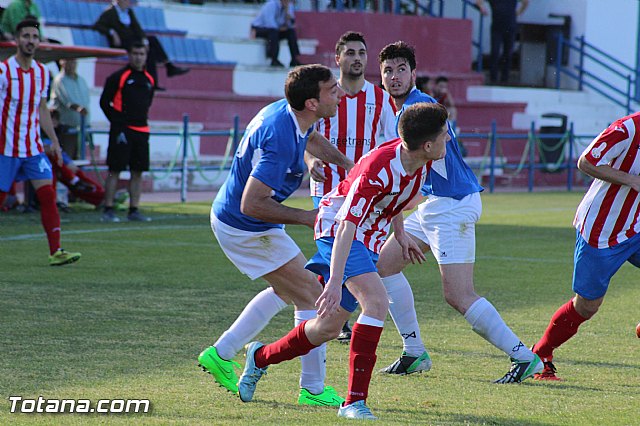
x=408, y=364
x=62, y=257
x=221, y=369
x=521, y=370
x=327, y=398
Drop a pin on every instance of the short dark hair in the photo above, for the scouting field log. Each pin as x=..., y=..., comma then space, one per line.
x=347, y=37
x=137, y=44
x=421, y=122
x=29, y=22
x=421, y=81
x=304, y=83
x=442, y=78
x=399, y=49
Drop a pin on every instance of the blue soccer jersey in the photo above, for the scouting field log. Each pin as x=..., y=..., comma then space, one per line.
x=272, y=151
x=451, y=176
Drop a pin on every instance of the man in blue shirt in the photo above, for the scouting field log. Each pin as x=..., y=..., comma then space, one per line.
x=445, y=225
x=275, y=22
x=248, y=220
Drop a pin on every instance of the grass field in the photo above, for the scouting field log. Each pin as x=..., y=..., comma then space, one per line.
x=129, y=320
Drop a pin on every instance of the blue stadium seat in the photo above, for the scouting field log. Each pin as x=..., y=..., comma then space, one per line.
x=86, y=37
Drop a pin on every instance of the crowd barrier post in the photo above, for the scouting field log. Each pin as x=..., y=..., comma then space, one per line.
x=532, y=154
x=185, y=143
x=492, y=159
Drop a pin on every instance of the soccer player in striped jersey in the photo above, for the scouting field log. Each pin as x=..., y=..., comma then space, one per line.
x=23, y=90
x=366, y=117
x=248, y=219
x=444, y=224
x=608, y=231
x=353, y=223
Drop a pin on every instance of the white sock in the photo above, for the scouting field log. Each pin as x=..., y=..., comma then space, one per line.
x=403, y=313
x=314, y=364
x=365, y=320
x=488, y=323
x=254, y=317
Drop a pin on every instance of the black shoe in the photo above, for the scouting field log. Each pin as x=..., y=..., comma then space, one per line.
x=277, y=64
x=82, y=186
x=345, y=334
x=159, y=89
x=173, y=70
x=295, y=63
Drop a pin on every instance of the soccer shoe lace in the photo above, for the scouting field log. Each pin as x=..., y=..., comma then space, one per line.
x=62, y=257
x=327, y=398
x=408, y=364
x=548, y=372
x=221, y=369
x=357, y=410
x=251, y=374
x=521, y=370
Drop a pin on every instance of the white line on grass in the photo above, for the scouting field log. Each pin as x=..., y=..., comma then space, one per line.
x=22, y=237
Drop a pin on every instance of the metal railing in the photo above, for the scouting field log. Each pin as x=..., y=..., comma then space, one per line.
x=622, y=86
x=182, y=150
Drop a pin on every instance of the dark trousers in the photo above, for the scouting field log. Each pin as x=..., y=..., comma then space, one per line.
x=503, y=34
x=273, y=37
x=155, y=55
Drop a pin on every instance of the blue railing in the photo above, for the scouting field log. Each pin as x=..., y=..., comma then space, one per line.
x=622, y=86
x=182, y=150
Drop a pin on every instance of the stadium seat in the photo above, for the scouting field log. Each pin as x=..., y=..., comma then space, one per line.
x=86, y=37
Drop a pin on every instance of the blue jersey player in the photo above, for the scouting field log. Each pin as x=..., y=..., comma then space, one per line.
x=248, y=220
x=444, y=224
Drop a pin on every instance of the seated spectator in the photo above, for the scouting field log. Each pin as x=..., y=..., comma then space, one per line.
x=276, y=21
x=425, y=85
x=70, y=98
x=443, y=97
x=74, y=178
x=122, y=29
x=17, y=11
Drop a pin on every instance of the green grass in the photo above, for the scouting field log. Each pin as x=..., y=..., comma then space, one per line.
x=129, y=320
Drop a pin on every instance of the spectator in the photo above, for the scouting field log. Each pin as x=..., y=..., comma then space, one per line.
x=21, y=153
x=425, y=85
x=275, y=22
x=443, y=97
x=70, y=98
x=125, y=100
x=503, y=34
x=15, y=12
x=122, y=29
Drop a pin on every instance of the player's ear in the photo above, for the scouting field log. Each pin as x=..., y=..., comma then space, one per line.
x=311, y=104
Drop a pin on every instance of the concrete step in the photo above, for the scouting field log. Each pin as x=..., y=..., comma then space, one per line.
x=247, y=51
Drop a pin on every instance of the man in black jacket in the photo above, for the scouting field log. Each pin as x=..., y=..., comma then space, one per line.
x=126, y=99
x=122, y=28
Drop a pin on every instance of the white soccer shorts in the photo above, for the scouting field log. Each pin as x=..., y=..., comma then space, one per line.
x=255, y=254
x=448, y=226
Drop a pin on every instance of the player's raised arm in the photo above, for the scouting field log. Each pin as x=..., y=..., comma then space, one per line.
x=257, y=202
x=321, y=148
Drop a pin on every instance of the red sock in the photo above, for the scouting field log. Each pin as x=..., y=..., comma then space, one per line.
x=49, y=216
x=290, y=346
x=362, y=359
x=3, y=195
x=562, y=327
x=66, y=174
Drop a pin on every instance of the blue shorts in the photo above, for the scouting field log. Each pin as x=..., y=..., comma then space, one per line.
x=361, y=260
x=593, y=267
x=66, y=160
x=19, y=169
x=316, y=201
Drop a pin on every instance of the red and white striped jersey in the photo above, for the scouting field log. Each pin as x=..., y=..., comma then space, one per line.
x=608, y=213
x=363, y=121
x=374, y=192
x=20, y=94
